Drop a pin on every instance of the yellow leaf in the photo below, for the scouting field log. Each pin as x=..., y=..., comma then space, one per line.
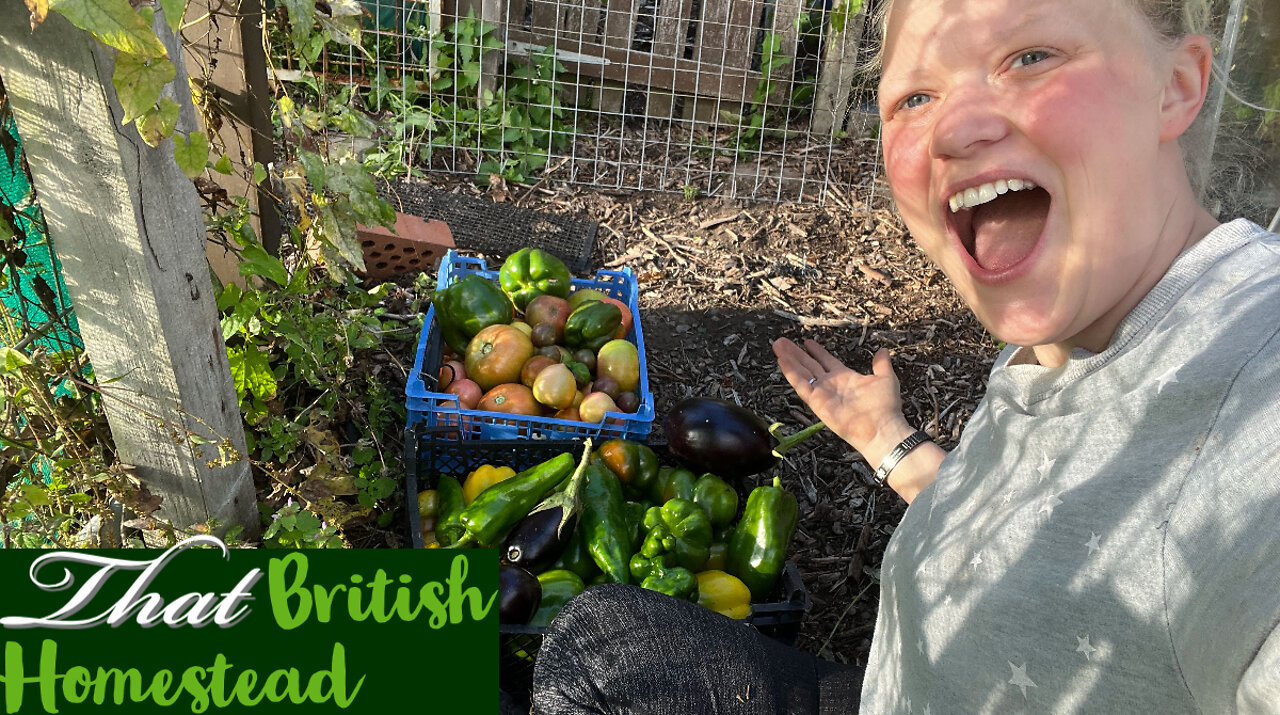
x=39, y=11
x=114, y=23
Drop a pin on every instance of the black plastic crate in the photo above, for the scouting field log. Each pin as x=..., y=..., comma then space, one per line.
x=430, y=453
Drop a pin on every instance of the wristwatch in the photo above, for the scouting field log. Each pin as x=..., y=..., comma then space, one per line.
x=891, y=460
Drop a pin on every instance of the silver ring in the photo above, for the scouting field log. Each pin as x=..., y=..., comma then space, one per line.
x=812, y=380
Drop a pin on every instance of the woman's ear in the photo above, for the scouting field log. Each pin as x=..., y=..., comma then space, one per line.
x=1186, y=85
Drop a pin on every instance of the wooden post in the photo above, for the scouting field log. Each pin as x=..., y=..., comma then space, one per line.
x=835, y=75
x=128, y=229
x=226, y=57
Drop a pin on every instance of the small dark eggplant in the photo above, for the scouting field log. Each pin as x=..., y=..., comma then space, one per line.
x=541, y=537
x=519, y=595
x=712, y=435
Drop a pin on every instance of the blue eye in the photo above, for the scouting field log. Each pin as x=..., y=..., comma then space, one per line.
x=1030, y=57
x=915, y=100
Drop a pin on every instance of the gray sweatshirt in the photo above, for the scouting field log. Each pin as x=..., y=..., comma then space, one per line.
x=1106, y=537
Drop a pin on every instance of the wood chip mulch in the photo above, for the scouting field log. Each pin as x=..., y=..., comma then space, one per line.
x=720, y=279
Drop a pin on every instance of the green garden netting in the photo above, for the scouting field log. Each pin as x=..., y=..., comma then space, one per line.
x=32, y=288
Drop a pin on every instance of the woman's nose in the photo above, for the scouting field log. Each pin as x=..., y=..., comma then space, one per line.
x=969, y=120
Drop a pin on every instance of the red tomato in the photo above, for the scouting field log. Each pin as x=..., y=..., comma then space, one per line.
x=496, y=354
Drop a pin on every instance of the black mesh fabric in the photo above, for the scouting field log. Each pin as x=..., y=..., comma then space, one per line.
x=498, y=229
x=623, y=650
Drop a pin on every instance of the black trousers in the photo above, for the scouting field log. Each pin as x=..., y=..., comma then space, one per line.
x=627, y=651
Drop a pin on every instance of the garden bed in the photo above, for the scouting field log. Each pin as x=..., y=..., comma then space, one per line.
x=719, y=280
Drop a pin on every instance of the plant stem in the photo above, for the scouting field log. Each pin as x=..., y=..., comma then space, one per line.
x=786, y=443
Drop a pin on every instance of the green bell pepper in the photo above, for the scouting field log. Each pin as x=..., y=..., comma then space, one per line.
x=635, y=464
x=558, y=586
x=448, y=526
x=680, y=528
x=641, y=566
x=676, y=582
x=470, y=305
x=531, y=272
x=758, y=546
x=717, y=498
x=635, y=512
x=500, y=507
x=604, y=524
x=591, y=325
x=676, y=483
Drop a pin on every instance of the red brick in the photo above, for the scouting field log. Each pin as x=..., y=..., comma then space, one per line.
x=416, y=245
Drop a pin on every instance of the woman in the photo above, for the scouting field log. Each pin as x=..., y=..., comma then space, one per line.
x=1103, y=538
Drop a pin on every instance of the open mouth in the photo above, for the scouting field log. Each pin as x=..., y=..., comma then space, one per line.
x=1000, y=223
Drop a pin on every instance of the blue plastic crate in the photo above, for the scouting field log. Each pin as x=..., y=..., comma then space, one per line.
x=435, y=409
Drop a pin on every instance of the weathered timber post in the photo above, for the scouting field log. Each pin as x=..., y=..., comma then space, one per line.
x=225, y=55
x=128, y=229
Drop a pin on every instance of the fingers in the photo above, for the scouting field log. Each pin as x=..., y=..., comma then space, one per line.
x=881, y=365
x=792, y=359
x=824, y=359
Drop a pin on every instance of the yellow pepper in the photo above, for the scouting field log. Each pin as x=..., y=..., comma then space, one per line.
x=724, y=593
x=483, y=478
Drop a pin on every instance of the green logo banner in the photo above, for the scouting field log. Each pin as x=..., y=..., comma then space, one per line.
x=203, y=628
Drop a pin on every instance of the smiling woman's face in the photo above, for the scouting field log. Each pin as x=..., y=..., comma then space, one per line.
x=1023, y=141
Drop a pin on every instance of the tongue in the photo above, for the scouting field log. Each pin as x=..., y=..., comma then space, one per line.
x=1005, y=230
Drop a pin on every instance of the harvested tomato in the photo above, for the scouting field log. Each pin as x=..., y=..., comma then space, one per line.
x=511, y=398
x=522, y=327
x=544, y=334
x=595, y=405
x=450, y=371
x=627, y=319
x=607, y=385
x=468, y=393
x=533, y=366
x=559, y=353
x=619, y=360
x=569, y=413
x=555, y=387
x=628, y=401
x=548, y=310
x=496, y=354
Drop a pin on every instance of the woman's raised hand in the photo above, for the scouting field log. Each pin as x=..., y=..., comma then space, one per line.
x=864, y=410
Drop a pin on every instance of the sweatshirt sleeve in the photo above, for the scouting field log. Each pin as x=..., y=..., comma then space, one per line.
x=1222, y=550
x=1259, y=690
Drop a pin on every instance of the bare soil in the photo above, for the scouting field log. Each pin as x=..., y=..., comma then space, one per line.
x=721, y=279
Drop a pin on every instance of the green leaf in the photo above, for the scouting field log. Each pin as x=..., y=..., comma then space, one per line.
x=191, y=152
x=255, y=261
x=251, y=373
x=158, y=122
x=223, y=165
x=138, y=80
x=11, y=360
x=302, y=17
x=173, y=12
x=35, y=495
x=259, y=173
x=113, y=22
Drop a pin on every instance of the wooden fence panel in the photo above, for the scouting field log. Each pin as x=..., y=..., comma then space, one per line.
x=671, y=29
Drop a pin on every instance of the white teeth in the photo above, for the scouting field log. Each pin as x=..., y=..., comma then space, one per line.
x=978, y=195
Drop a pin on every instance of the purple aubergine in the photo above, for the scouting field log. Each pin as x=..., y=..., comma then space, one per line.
x=538, y=540
x=519, y=595
x=712, y=435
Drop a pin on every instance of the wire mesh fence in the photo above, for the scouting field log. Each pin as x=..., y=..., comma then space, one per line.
x=746, y=98
x=758, y=99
